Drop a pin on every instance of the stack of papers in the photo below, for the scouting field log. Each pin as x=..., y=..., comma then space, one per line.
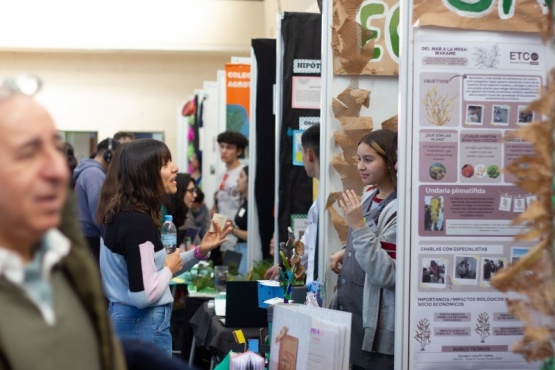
x=219, y=305
x=246, y=361
x=312, y=338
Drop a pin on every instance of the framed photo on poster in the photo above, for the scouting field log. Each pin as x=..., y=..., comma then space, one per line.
x=299, y=223
x=297, y=148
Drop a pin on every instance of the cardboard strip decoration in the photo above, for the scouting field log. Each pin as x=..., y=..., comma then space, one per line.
x=485, y=15
x=365, y=37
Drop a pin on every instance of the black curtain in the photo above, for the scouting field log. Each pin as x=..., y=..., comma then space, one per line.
x=301, y=34
x=265, y=54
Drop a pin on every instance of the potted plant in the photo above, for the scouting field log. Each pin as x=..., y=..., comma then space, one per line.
x=292, y=272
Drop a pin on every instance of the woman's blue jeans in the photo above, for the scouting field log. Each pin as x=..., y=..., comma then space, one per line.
x=151, y=324
x=242, y=248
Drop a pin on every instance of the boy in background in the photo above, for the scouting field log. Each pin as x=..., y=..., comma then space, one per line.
x=228, y=200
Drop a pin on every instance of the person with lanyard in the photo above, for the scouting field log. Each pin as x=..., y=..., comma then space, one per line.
x=366, y=281
x=240, y=229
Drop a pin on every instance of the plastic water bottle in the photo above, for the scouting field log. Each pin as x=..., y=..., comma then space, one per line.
x=169, y=234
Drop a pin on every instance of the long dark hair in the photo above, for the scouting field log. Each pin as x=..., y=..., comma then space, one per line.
x=133, y=180
x=71, y=160
x=175, y=204
x=384, y=142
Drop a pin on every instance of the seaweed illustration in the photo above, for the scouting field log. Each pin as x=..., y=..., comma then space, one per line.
x=423, y=333
x=439, y=107
x=448, y=282
x=483, y=326
x=487, y=58
x=435, y=208
x=493, y=171
x=480, y=171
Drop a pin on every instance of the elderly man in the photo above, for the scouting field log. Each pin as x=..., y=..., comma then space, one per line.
x=52, y=310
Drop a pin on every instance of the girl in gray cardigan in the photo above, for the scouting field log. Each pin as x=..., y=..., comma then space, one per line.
x=366, y=282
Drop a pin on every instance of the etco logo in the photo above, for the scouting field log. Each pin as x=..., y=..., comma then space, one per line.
x=524, y=57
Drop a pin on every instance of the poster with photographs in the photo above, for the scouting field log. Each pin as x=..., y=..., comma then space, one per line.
x=490, y=265
x=525, y=116
x=517, y=253
x=299, y=223
x=474, y=115
x=433, y=213
x=434, y=272
x=500, y=115
x=465, y=270
x=469, y=97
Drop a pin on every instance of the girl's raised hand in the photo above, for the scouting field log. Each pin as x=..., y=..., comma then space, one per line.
x=352, y=209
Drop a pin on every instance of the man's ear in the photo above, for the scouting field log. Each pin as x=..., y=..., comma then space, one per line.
x=310, y=154
x=239, y=152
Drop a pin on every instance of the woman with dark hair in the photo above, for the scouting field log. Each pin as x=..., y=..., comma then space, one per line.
x=179, y=203
x=135, y=268
x=71, y=160
x=195, y=168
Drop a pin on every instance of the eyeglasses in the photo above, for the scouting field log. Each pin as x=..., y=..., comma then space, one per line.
x=26, y=84
x=192, y=190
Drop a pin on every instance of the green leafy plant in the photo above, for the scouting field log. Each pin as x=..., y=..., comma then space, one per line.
x=258, y=270
x=290, y=252
x=291, y=271
x=493, y=171
x=202, y=276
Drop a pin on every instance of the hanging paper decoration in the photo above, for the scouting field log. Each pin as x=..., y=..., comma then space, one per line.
x=505, y=203
x=519, y=205
x=192, y=138
x=530, y=199
x=189, y=108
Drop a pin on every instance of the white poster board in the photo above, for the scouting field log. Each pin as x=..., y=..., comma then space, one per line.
x=464, y=91
x=384, y=92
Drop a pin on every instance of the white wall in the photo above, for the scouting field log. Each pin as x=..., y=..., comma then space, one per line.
x=128, y=65
x=116, y=91
x=184, y=25
x=273, y=7
x=210, y=151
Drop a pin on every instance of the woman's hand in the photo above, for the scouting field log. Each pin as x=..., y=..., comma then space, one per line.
x=273, y=245
x=212, y=239
x=352, y=209
x=272, y=273
x=174, y=261
x=336, y=261
x=240, y=234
